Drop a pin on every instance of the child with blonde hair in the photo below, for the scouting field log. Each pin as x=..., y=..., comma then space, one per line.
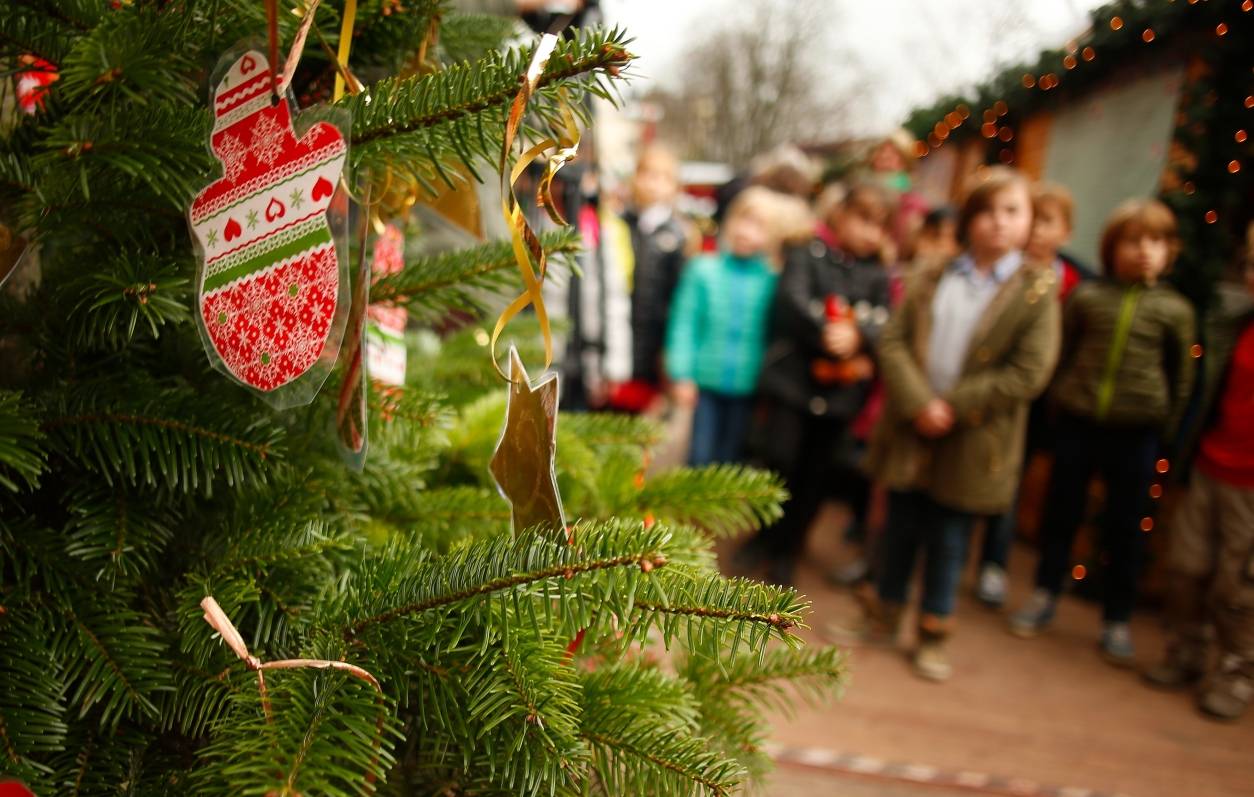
x=717, y=331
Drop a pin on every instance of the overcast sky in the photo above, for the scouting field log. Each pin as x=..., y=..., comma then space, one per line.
x=910, y=51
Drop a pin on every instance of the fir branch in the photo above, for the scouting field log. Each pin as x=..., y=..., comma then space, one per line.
x=179, y=439
x=465, y=37
x=722, y=499
x=22, y=458
x=711, y=610
x=463, y=279
x=109, y=304
x=773, y=682
x=488, y=567
x=603, y=430
x=641, y=725
x=113, y=660
x=322, y=737
x=121, y=536
x=32, y=711
x=424, y=122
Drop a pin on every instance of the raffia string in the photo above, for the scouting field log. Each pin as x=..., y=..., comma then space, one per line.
x=272, y=39
x=529, y=254
x=298, y=46
x=223, y=625
x=217, y=618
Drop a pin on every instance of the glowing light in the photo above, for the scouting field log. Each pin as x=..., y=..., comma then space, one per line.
x=1069, y=62
x=989, y=116
x=1116, y=23
x=1234, y=166
x=1249, y=101
x=1195, y=350
x=1240, y=135
x=1247, y=5
x=920, y=149
x=1005, y=134
x=1088, y=53
x=1221, y=29
x=1006, y=156
x=1156, y=491
x=1029, y=81
x=1147, y=35
x=988, y=129
x=1079, y=572
x=965, y=112
x=1147, y=524
x=1162, y=466
x=1189, y=188
x=1211, y=217
x=953, y=119
x=1000, y=108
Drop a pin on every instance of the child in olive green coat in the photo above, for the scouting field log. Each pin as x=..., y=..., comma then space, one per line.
x=1123, y=381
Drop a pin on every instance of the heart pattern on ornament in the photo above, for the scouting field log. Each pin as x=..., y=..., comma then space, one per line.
x=322, y=188
x=232, y=231
x=275, y=210
x=247, y=64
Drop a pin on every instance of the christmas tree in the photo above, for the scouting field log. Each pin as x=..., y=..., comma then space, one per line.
x=451, y=653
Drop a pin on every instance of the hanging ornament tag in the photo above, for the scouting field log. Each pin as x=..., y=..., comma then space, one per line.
x=272, y=285
x=385, y=324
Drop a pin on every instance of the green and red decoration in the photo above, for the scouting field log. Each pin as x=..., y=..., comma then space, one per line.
x=269, y=288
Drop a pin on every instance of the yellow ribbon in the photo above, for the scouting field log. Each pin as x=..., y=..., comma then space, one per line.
x=528, y=253
x=346, y=44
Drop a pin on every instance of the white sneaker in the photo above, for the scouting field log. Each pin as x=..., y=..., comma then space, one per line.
x=992, y=587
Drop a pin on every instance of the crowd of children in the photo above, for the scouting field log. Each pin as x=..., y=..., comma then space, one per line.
x=929, y=360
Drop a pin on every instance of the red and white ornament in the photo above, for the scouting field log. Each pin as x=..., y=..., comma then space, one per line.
x=385, y=326
x=270, y=282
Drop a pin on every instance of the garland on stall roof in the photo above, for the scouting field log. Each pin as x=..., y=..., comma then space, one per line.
x=1209, y=168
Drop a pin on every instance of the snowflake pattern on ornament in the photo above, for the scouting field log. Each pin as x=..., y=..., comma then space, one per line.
x=234, y=156
x=268, y=140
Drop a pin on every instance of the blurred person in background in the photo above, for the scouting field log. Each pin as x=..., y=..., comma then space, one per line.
x=830, y=306
x=973, y=342
x=651, y=257
x=1124, y=379
x=717, y=332
x=1052, y=211
x=1211, y=561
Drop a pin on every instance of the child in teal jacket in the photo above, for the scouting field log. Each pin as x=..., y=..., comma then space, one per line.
x=717, y=331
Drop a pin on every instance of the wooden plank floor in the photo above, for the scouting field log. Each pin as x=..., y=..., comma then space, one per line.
x=1035, y=717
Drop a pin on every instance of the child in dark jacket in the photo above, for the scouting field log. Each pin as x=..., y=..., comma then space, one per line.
x=1123, y=380
x=829, y=308
x=1211, y=559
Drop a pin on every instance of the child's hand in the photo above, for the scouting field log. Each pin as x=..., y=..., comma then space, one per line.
x=685, y=393
x=841, y=338
x=935, y=419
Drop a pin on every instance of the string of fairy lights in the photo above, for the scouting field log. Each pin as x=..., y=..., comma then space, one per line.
x=995, y=127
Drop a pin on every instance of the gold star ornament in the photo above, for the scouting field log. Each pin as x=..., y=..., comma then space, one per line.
x=523, y=462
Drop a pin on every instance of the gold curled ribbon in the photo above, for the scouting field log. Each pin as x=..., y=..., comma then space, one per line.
x=231, y=636
x=528, y=253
